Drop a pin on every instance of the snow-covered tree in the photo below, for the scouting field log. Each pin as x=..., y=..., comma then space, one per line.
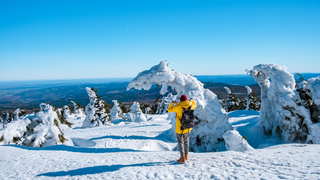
x=7, y=119
x=18, y=113
x=312, y=89
x=231, y=103
x=116, y=112
x=212, y=120
x=66, y=111
x=135, y=114
x=282, y=112
x=147, y=110
x=35, y=130
x=95, y=110
x=252, y=101
x=77, y=109
x=164, y=104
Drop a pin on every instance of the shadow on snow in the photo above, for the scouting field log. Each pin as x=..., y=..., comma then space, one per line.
x=77, y=149
x=98, y=169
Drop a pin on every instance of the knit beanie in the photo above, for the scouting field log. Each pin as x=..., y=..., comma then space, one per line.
x=183, y=98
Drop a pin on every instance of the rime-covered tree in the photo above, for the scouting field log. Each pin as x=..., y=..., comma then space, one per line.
x=231, y=103
x=35, y=130
x=211, y=119
x=311, y=98
x=147, y=110
x=164, y=104
x=282, y=111
x=95, y=110
x=116, y=112
x=135, y=114
x=77, y=109
x=18, y=113
x=252, y=102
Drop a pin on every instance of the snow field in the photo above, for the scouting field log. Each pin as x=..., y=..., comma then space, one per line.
x=134, y=151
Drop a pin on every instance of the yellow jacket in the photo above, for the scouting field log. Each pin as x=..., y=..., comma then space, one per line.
x=178, y=109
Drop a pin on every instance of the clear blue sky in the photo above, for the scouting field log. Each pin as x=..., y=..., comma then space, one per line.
x=55, y=39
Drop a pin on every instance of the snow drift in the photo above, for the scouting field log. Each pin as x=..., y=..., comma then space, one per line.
x=212, y=119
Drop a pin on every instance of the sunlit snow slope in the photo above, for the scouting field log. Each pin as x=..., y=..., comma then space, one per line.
x=134, y=151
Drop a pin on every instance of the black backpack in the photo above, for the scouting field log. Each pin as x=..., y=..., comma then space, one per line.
x=187, y=120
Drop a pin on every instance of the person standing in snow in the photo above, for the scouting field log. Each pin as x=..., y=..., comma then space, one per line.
x=182, y=135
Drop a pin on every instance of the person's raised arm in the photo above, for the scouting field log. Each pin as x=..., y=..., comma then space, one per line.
x=173, y=108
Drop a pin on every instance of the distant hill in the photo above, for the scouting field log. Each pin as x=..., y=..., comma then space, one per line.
x=29, y=94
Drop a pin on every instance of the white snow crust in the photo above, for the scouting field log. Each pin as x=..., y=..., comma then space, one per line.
x=213, y=122
x=135, y=151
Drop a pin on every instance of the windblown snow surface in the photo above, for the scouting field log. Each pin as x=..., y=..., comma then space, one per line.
x=130, y=150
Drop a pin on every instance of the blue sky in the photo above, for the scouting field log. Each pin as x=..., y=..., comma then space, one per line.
x=101, y=39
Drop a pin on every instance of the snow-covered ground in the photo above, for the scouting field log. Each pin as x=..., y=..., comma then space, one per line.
x=134, y=151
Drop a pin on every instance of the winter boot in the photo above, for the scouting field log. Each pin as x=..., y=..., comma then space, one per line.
x=186, y=157
x=181, y=160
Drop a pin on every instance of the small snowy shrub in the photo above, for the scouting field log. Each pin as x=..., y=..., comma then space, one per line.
x=147, y=110
x=212, y=120
x=235, y=142
x=252, y=101
x=116, y=112
x=63, y=115
x=77, y=109
x=18, y=113
x=135, y=115
x=95, y=110
x=231, y=103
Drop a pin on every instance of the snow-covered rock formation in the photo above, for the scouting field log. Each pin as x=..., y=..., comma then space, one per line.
x=35, y=130
x=235, y=142
x=135, y=114
x=95, y=110
x=212, y=120
x=116, y=112
x=282, y=112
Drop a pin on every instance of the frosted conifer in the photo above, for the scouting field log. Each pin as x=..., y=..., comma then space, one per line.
x=95, y=110
x=251, y=101
x=282, y=111
x=135, y=114
x=147, y=110
x=164, y=104
x=116, y=112
x=18, y=113
x=35, y=130
x=231, y=103
x=77, y=109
